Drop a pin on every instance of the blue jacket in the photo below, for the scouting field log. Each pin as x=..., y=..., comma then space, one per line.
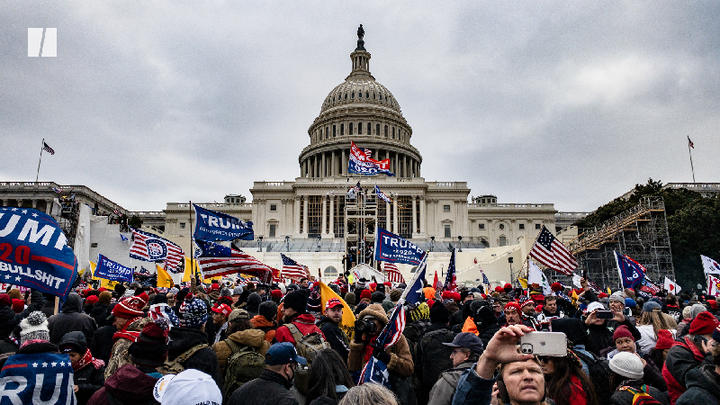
x=473, y=389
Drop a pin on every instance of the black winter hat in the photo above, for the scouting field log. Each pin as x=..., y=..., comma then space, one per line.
x=150, y=349
x=377, y=296
x=268, y=309
x=297, y=300
x=438, y=313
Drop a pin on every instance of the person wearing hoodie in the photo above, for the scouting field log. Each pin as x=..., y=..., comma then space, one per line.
x=99, y=311
x=486, y=322
x=71, y=318
x=295, y=313
x=134, y=382
x=253, y=302
x=88, y=371
x=188, y=346
x=703, y=383
x=265, y=320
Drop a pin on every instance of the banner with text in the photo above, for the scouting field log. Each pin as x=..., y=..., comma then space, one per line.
x=111, y=270
x=395, y=249
x=34, y=252
x=360, y=162
x=213, y=225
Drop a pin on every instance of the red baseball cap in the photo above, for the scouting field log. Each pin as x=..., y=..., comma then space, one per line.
x=332, y=303
x=222, y=309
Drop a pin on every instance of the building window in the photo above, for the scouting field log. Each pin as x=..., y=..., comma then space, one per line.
x=314, y=216
x=334, y=131
x=360, y=127
x=446, y=208
x=522, y=227
x=447, y=231
x=342, y=129
x=182, y=225
x=501, y=227
x=393, y=133
x=537, y=226
x=350, y=128
x=273, y=227
x=502, y=241
x=481, y=226
x=405, y=216
x=368, y=128
x=327, y=133
x=273, y=207
x=386, y=131
x=377, y=129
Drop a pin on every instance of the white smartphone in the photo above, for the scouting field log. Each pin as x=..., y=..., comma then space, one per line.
x=552, y=344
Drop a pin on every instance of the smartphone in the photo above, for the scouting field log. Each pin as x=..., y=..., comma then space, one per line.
x=604, y=314
x=552, y=344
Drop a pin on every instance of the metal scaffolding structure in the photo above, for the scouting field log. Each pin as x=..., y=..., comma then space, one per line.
x=640, y=232
x=360, y=221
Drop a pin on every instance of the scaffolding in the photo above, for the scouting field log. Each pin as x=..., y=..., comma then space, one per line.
x=640, y=232
x=360, y=221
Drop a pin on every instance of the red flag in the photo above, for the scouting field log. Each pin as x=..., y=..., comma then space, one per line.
x=437, y=285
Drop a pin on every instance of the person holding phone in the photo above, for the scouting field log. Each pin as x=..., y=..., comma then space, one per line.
x=520, y=378
x=601, y=324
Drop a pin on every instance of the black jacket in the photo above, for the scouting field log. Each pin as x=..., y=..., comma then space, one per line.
x=205, y=360
x=71, y=318
x=703, y=387
x=99, y=314
x=89, y=378
x=335, y=336
x=9, y=320
x=600, y=337
x=269, y=388
x=626, y=397
x=101, y=346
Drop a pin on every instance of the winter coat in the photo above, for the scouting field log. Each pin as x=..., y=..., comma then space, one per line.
x=262, y=323
x=703, y=387
x=626, y=397
x=600, y=337
x=205, y=360
x=119, y=355
x=335, y=336
x=400, y=358
x=473, y=389
x=433, y=356
x=128, y=385
x=99, y=314
x=9, y=320
x=249, y=337
x=305, y=324
x=102, y=344
x=444, y=389
x=682, y=357
x=91, y=377
x=269, y=388
x=71, y=318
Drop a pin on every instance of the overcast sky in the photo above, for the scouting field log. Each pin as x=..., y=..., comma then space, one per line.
x=570, y=103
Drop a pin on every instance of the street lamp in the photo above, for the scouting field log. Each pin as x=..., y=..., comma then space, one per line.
x=287, y=243
x=260, y=243
x=432, y=243
x=460, y=239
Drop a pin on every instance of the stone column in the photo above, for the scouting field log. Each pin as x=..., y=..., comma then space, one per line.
x=334, y=165
x=296, y=220
x=405, y=166
x=324, y=215
x=423, y=219
x=305, y=216
x=332, y=213
x=387, y=216
x=343, y=169
x=395, y=216
x=323, y=166
x=414, y=215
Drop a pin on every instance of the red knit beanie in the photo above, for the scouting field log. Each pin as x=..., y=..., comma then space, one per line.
x=93, y=299
x=499, y=289
x=665, y=340
x=130, y=307
x=556, y=286
x=514, y=305
x=622, y=331
x=5, y=300
x=703, y=324
x=18, y=305
x=365, y=294
x=276, y=294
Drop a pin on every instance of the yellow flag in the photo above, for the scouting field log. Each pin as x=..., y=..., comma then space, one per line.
x=574, y=297
x=609, y=291
x=190, y=266
x=105, y=283
x=523, y=283
x=163, y=278
x=348, y=319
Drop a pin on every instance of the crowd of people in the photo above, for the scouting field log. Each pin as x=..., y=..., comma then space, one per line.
x=223, y=343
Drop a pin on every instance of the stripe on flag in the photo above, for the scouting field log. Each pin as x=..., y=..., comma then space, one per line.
x=292, y=269
x=152, y=248
x=549, y=251
x=393, y=273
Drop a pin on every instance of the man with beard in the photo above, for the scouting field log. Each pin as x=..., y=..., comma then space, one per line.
x=295, y=315
x=329, y=327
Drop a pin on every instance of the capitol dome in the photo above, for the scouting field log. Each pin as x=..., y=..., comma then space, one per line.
x=363, y=111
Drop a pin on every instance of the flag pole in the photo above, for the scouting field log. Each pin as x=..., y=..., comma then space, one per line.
x=193, y=270
x=690, y=145
x=37, y=175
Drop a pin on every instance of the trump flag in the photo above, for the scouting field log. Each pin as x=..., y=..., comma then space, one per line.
x=34, y=252
x=111, y=270
x=631, y=272
x=213, y=225
x=360, y=162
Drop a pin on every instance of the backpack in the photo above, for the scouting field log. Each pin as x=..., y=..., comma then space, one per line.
x=176, y=366
x=243, y=365
x=307, y=346
x=599, y=371
x=435, y=356
x=640, y=397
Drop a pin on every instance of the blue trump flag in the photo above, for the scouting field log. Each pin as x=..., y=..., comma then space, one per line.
x=414, y=292
x=213, y=225
x=111, y=270
x=395, y=249
x=37, y=378
x=631, y=272
x=34, y=252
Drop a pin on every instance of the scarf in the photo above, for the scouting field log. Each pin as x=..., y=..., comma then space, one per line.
x=369, y=349
x=127, y=334
x=88, y=359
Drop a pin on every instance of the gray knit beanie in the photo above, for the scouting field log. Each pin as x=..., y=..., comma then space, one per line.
x=35, y=326
x=627, y=365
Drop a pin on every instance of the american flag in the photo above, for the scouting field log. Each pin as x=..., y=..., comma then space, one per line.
x=485, y=279
x=218, y=260
x=394, y=328
x=451, y=278
x=292, y=269
x=393, y=274
x=382, y=195
x=552, y=253
x=152, y=248
x=51, y=151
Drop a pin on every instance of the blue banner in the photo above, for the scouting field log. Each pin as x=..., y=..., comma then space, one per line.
x=392, y=248
x=110, y=270
x=213, y=225
x=631, y=272
x=34, y=252
x=37, y=378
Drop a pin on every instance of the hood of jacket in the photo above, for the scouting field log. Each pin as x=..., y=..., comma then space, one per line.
x=249, y=337
x=73, y=304
x=128, y=384
x=182, y=339
x=704, y=377
x=253, y=302
x=260, y=321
